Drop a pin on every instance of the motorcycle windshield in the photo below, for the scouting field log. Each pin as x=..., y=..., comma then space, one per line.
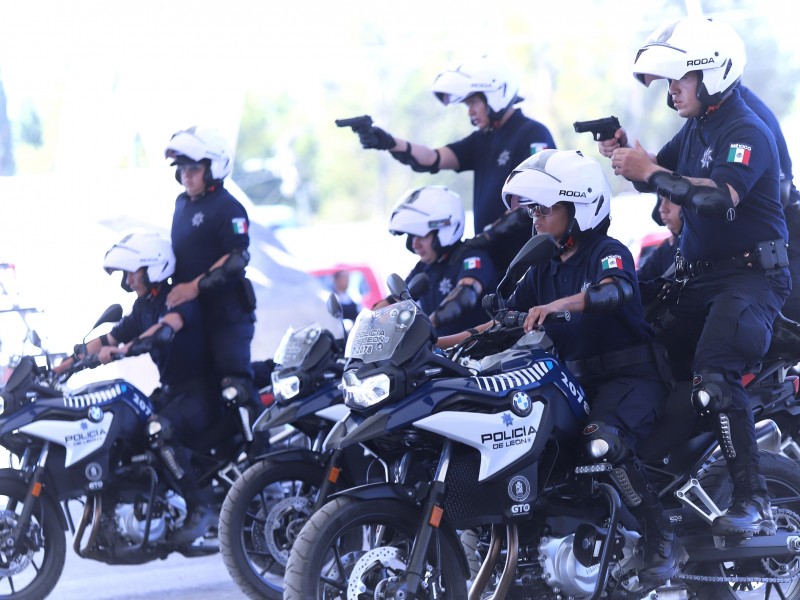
x=377, y=334
x=296, y=345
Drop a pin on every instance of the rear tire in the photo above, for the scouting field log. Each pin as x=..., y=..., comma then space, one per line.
x=783, y=481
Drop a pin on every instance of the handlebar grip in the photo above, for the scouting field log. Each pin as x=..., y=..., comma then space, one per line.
x=513, y=318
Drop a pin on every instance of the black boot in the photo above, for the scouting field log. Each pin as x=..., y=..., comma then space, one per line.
x=199, y=520
x=663, y=553
x=750, y=513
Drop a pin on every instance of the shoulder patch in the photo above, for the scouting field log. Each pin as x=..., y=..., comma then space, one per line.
x=239, y=225
x=614, y=261
x=473, y=262
x=739, y=153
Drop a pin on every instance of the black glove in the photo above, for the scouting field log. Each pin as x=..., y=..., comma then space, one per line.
x=376, y=138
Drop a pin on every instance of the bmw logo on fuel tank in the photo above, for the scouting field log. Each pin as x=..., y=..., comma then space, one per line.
x=521, y=404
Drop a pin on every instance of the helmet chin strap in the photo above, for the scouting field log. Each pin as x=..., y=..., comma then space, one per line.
x=567, y=241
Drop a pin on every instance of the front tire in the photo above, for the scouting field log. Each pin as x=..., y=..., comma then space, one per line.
x=353, y=549
x=30, y=570
x=783, y=481
x=260, y=518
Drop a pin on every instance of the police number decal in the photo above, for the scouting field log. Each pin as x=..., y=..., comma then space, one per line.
x=573, y=389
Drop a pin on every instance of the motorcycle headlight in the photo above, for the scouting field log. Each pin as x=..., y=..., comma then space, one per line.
x=366, y=393
x=286, y=387
x=2, y=404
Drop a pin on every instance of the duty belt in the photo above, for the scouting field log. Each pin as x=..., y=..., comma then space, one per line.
x=610, y=361
x=764, y=257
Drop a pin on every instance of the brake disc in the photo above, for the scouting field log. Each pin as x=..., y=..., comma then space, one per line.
x=384, y=557
x=298, y=511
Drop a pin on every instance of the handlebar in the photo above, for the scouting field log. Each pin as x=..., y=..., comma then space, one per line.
x=514, y=318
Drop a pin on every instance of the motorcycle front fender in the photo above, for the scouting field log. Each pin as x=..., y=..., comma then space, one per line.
x=378, y=491
x=392, y=491
x=18, y=476
x=293, y=455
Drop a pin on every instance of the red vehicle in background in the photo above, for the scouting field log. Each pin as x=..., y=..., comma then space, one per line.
x=645, y=246
x=365, y=287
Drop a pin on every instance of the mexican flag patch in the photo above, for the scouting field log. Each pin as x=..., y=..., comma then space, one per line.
x=473, y=262
x=239, y=225
x=612, y=262
x=739, y=153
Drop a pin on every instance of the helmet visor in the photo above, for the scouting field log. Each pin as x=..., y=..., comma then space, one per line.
x=446, y=98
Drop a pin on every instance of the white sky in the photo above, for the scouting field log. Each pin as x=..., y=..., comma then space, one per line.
x=156, y=66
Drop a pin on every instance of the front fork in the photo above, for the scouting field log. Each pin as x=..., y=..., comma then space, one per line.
x=34, y=491
x=433, y=514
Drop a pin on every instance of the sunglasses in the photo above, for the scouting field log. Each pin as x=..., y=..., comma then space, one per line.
x=538, y=208
x=193, y=168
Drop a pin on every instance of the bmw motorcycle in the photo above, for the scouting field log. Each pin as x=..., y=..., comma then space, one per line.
x=486, y=448
x=265, y=509
x=92, y=446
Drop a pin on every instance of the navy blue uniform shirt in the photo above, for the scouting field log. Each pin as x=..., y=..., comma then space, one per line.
x=456, y=263
x=770, y=120
x=587, y=335
x=186, y=357
x=730, y=146
x=492, y=155
x=204, y=230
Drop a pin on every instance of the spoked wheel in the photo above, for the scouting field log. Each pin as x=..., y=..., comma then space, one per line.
x=359, y=549
x=30, y=568
x=773, y=578
x=260, y=520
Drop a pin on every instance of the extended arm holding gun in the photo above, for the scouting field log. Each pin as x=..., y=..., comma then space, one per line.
x=601, y=129
x=369, y=135
x=372, y=137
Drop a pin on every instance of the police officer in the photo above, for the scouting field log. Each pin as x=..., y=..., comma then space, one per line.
x=722, y=168
x=433, y=218
x=790, y=199
x=504, y=135
x=210, y=239
x=790, y=196
x=185, y=403
x=607, y=343
x=661, y=262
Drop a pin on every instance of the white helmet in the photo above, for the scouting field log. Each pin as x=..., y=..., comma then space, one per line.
x=198, y=143
x=139, y=250
x=693, y=44
x=565, y=176
x=429, y=208
x=481, y=76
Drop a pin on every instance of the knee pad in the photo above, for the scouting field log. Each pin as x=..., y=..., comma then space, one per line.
x=710, y=393
x=603, y=443
x=159, y=430
x=235, y=391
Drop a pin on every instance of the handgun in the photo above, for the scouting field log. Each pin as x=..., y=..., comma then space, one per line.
x=357, y=124
x=601, y=129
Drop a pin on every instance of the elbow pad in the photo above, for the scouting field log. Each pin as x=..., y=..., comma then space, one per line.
x=231, y=269
x=707, y=201
x=407, y=158
x=460, y=300
x=603, y=297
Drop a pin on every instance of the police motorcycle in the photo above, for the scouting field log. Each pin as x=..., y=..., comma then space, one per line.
x=487, y=445
x=96, y=447
x=268, y=505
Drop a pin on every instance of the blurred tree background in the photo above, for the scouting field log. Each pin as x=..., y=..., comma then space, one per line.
x=283, y=73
